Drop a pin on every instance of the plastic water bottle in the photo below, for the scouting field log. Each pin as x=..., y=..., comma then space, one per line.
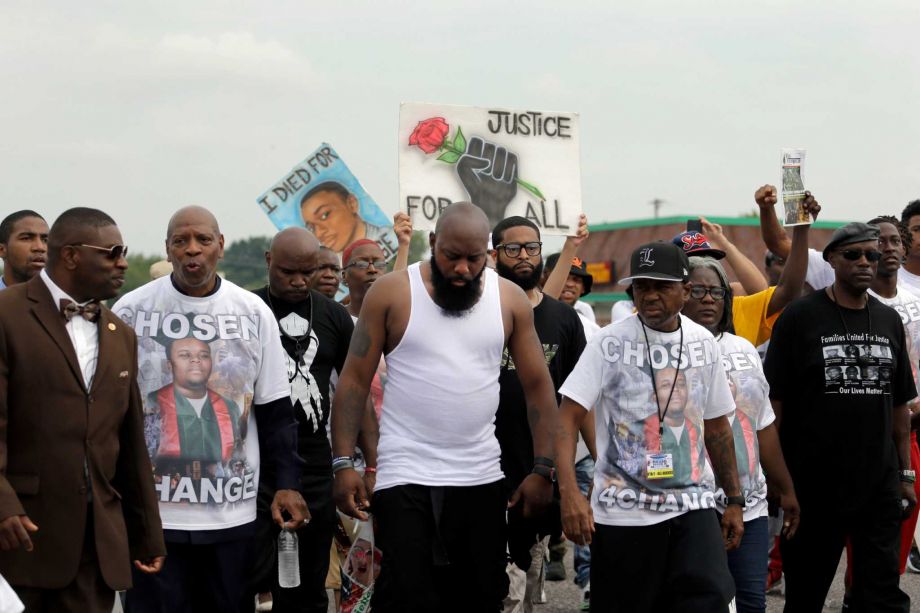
x=288, y=559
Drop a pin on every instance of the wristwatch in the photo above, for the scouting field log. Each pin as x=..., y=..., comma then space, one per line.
x=547, y=472
x=907, y=476
x=738, y=500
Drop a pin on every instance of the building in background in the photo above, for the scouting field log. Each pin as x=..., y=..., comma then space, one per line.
x=609, y=245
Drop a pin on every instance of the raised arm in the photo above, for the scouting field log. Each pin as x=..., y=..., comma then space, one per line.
x=402, y=225
x=351, y=394
x=792, y=279
x=539, y=396
x=750, y=277
x=556, y=280
x=774, y=237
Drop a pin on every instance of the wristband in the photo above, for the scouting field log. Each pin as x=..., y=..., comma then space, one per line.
x=907, y=476
x=544, y=461
x=342, y=463
x=370, y=469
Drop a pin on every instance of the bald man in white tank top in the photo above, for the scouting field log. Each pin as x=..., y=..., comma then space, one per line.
x=440, y=501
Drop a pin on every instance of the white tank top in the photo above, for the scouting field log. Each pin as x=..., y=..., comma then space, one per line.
x=437, y=426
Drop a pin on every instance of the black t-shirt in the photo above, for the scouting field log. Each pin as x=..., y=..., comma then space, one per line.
x=563, y=338
x=838, y=385
x=326, y=349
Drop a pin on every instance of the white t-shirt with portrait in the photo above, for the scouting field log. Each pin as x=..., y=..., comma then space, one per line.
x=205, y=455
x=753, y=412
x=612, y=377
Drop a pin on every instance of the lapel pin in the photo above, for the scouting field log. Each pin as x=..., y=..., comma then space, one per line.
x=112, y=327
x=123, y=374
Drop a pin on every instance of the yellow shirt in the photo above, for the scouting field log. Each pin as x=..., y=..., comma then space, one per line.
x=749, y=314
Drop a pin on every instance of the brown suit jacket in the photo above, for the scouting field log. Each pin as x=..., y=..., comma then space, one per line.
x=49, y=422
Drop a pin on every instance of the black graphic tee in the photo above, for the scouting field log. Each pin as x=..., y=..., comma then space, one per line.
x=563, y=339
x=839, y=379
x=310, y=364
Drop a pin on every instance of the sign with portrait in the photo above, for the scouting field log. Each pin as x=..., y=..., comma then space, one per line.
x=321, y=194
x=507, y=162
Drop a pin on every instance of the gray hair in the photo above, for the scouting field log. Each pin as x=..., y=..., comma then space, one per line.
x=725, y=324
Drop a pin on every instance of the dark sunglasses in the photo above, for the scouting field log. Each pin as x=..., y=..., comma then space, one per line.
x=364, y=265
x=872, y=255
x=113, y=253
x=512, y=250
x=698, y=292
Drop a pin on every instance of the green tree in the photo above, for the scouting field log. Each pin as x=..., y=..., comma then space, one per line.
x=138, y=272
x=418, y=246
x=244, y=261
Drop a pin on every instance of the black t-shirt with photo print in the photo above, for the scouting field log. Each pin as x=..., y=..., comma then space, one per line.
x=563, y=339
x=838, y=380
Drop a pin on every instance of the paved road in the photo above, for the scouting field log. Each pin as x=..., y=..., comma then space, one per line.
x=564, y=596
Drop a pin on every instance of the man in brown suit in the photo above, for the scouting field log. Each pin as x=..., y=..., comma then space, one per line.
x=77, y=502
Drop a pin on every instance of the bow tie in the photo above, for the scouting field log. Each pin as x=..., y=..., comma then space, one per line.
x=89, y=311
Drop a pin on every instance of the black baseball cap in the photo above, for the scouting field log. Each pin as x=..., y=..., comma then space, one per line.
x=659, y=260
x=578, y=268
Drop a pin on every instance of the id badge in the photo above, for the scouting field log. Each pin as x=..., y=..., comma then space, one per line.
x=659, y=465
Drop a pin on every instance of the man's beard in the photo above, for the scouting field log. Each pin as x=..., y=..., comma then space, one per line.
x=526, y=281
x=455, y=301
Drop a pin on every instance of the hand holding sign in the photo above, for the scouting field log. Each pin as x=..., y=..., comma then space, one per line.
x=488, y=173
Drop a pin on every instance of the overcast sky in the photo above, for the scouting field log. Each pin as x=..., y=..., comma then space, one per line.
x=140, y=108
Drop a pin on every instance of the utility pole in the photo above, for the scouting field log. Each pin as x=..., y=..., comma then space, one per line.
x=657, y=204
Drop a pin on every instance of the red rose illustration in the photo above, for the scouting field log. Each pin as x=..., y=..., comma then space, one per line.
x=429, y=135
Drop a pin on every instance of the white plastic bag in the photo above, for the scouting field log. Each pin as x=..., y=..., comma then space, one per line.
x=360, y=570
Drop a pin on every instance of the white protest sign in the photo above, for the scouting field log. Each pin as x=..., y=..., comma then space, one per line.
x=508, y=162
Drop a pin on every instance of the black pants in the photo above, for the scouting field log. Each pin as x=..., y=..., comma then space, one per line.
x=195, y=577
x=811, y=557
x=443, y=549
x=676, y=565
x=314, y=542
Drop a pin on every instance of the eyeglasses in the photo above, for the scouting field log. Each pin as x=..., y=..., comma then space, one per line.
x=872, y=255
x=698, y=292
x=512, y=250
x=364, y=265
x=113, y=253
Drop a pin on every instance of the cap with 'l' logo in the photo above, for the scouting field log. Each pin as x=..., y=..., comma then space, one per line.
x=660, y=260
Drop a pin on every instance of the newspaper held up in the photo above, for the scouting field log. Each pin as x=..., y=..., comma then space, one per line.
x=794, y=188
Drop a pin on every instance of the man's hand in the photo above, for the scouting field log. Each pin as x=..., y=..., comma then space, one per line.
x=732, y=526
x=790, y=505
x=293, y=503
x=577, y=519
x=350, y=493
x=908, y=494
x=581, y=234
x=765, y=196
x=14, y=533
x=370, y=483
x=714, y=233
x=811, y=205
x=402, y=226
x=489, y=174
x=535, y=491
x=150, y=566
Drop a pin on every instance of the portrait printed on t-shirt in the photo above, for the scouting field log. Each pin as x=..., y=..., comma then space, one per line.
x=858, y=363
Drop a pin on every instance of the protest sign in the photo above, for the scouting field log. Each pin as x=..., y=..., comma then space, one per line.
x=794, y=188
x=508, y=162
x=321, y=194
